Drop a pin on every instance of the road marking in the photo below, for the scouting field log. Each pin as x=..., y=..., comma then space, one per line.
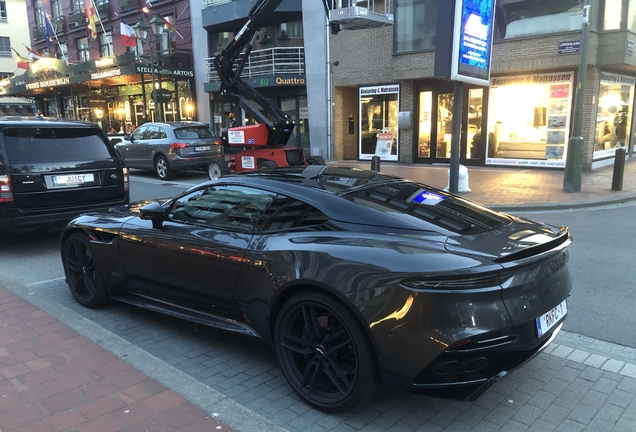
x=45, y=281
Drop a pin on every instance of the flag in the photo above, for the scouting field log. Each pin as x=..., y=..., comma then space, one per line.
x=34, y=54
x=92, y=16
x=169, y=27
x=23, y=63
x=48, y=31
x=127, y=35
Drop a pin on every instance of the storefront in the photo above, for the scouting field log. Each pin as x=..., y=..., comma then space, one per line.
x=529, y=119
x=114, y=92
x=378, y=114
x=614, y=115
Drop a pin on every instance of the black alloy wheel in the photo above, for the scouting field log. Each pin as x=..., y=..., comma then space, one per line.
x=83, y=277
x=162, y=167
x=324, y=354
x=218, y=168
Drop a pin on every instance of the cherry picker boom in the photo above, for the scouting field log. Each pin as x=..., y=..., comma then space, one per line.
x=264, y=143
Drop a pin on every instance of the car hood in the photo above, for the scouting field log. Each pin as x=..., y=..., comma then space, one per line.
x=519, y=239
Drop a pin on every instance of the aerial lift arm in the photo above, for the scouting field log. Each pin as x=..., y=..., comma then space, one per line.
x=280, y=129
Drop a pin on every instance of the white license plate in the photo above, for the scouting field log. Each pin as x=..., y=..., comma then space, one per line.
x=72, y=179
x=202, y=148
x=549, y=319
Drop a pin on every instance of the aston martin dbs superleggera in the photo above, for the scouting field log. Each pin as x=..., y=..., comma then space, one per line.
x=356, y=278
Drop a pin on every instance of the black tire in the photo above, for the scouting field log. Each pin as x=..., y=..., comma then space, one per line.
x=324, y=354
x=218, y=168
x=315, y=160
x=84, y=278
x=267, y=164
x=162, y=168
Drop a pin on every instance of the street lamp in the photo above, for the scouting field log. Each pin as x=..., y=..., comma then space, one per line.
x=142, y=33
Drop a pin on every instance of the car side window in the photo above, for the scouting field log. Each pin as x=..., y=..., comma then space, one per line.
x=162, y=133
x=137, y=134
x=229, y=207
x=286, y=213
x=152, y=133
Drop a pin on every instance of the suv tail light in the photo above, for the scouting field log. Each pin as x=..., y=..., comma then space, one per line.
x=218, y=142
x=5, y=188
x=177, y=146
x=126, y=182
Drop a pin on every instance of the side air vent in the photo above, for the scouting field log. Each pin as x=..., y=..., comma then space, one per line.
x=103, y=236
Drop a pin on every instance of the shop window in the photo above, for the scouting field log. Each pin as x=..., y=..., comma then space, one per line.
x=106, y=43
x=415, y=25
x=528, y=119
x=83, y=49
x=537, y=17
x=378, y=122
x=3, y=11
x=5, y=46
x=424, y=131
x=614, y=114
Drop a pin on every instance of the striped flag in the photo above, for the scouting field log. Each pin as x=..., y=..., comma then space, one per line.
x=127, y=35
x=169, y=26
x=23, y=62
x=92, y=16
x=33, y=54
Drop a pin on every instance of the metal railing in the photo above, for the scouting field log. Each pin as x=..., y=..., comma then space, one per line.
x=213, y=3
x=267, y=62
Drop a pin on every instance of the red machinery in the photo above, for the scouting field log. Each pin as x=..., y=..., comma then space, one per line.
x=263, y=144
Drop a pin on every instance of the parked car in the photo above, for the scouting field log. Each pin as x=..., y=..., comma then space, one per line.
x=170, y=147
x=354, y=277
x=52, y=170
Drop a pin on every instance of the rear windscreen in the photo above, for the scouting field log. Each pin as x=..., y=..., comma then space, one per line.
x=36, y=145
x=193, y=132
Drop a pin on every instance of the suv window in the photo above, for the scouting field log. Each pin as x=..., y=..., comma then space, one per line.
x=37, y=144
x=138, y=133
x=193, y=132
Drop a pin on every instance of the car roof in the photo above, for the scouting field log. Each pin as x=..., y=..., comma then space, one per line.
x=39, y=121
x=175, y=124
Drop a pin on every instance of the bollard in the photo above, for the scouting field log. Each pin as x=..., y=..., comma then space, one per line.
x=619, y=170
x=375, y=163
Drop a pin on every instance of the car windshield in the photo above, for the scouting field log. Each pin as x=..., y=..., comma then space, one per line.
x=193, y=132
x=38, y=144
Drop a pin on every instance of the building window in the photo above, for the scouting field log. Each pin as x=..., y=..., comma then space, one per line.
x=63, y=50
x=5, y=46
x=293, y=29
x=78, y=5
x=3, y=11
x=415, y=25
x=536, y=17
x=106, y=44
x=37, y=10
x=168, y=40
x=83, y=49
x=613, y=118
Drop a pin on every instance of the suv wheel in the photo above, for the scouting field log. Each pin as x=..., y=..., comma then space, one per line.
x=162, y=167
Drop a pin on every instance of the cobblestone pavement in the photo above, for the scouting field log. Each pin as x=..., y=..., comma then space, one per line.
x=576, y=384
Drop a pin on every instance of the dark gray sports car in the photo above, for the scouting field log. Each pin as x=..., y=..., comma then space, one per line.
x=356, y=278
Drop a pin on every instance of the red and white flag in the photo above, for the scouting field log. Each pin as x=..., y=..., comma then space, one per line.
x=33, y=54
x=127, y=35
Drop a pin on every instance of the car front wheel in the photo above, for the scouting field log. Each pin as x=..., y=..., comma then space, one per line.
x=324, y=353
x=162, y=167
x=84, y=278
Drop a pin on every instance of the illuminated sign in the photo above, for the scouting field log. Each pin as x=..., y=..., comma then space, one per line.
x=473, y=25
x=104, y=62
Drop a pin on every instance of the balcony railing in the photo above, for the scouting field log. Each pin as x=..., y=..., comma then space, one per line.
x=213, y=3
x=267, y=62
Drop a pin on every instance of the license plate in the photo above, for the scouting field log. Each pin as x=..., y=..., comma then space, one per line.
x=202, y=148
x=549, y=319
x=72, y=179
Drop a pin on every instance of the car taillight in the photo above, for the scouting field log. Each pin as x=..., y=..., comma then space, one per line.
x=5, y=188
x=177, y=146
x=218, y=142
x=126, y=183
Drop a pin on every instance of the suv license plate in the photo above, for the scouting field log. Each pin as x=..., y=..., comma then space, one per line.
x=202, y=148
x=72, y=179
x=549, y=319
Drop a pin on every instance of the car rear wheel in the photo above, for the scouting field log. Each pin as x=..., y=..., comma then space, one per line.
x=315, y=160
x=84, y=278
x=218, y=168
x=162, y=167
x=324, y=353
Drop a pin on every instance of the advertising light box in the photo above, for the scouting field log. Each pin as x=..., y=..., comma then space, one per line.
x=472, y=41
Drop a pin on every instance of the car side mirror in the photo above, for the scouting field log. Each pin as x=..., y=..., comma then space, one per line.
x=152, y=212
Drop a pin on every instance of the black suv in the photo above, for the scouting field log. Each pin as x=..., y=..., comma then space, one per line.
x=52, y=170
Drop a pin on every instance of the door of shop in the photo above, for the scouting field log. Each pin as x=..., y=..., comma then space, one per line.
x=434, y=104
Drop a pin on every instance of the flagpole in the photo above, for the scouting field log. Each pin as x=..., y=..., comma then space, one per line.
x=112, y=51
x=46, y=16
